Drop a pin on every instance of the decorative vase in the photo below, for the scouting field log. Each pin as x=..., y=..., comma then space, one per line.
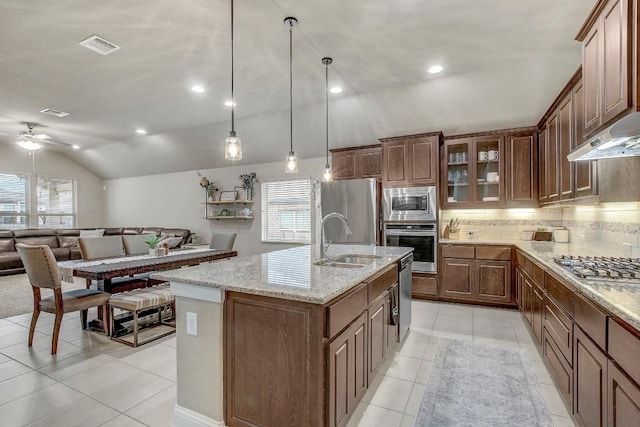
x=249, y=193
x=152, y=252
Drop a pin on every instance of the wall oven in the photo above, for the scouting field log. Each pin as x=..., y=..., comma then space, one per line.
x=410, y=204
x=423, y=238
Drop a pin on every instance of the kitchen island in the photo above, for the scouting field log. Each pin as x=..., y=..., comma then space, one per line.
x=280, y=340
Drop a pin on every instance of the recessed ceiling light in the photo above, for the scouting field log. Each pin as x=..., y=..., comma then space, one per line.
x=435, y=69
x=335, y=89
x=141, y=131
x=75, y=146
x=229, y=103
x=197, y=89
x=54, y=112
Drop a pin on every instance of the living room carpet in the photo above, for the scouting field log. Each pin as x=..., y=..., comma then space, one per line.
x=477, y=385
x=16, y=296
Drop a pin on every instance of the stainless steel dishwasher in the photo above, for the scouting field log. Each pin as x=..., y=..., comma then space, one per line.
x=405, y=293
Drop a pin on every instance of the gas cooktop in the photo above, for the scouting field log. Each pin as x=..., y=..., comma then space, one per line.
x=601, y=268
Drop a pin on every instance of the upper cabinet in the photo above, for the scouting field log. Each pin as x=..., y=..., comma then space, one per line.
x=490, y=170
x=357, y=162
x=410, y=160
x=606, y=64
x=560, y=131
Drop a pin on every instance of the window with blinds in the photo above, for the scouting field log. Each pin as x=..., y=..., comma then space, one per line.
x=56, y=199
x=286, y=211
x=14, y=212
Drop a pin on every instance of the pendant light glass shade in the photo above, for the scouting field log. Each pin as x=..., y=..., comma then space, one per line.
x=326, y=174
x=30, y=144
x=291, y=165
x=232, y=145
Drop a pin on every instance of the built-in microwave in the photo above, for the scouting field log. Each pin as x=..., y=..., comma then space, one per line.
x=410, y=204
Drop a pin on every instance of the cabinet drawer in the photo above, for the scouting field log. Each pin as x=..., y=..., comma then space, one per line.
x=559, y=368
x=591, y=320
x=561, y=294
x=520, y=258
x=528, y=266
x=498, y=253
x=424, y=285
x=458, y=251
x=624, y=348
x=559, y=326
x=346, y=309
x=381, y=282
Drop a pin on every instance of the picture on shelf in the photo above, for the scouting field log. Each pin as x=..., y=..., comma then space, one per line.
x=228, y=196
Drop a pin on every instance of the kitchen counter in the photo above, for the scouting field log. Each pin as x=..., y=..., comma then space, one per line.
x=288, y=274
x=621, y=298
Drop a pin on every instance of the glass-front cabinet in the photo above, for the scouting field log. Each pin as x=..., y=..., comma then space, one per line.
x=474, y=174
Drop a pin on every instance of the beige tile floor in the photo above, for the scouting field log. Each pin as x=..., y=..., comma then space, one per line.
x=94, y=381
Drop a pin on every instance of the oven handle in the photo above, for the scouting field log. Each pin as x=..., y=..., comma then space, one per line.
x=410, y=233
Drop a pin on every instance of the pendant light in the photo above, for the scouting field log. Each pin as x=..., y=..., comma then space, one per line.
x=326, y=175
x=291, y=165
x=232, y=145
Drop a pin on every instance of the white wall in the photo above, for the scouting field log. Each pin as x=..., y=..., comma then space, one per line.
x=176, y=200
x=14, y=159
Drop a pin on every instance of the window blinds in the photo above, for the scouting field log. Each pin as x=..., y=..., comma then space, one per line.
x=14, y=201
x=56, y=202
x=286, y=213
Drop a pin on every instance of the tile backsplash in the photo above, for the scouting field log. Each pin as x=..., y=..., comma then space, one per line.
x=616, y=223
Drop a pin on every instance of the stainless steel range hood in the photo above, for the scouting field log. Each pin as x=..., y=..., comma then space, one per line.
x=622, y=139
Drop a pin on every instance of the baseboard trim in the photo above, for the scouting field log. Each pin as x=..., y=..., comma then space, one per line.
x=183, y=417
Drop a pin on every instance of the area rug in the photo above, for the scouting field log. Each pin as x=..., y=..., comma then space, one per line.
x=16, y=296
x=477, y=385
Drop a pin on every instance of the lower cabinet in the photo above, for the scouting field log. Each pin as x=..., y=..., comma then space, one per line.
x=392, y=305
x=623, y=407
x=589, y=381
x=347, y=371
x=424, y=285
x=559, y=367
x=479, y=274
x=537, y=312
x=377, y=325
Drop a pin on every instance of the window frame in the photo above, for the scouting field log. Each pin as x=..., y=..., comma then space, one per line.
x=264, y=232
x=74, y=203
x=26, y=214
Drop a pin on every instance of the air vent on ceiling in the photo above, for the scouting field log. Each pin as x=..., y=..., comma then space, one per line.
x=52, y=112
x=100, y=45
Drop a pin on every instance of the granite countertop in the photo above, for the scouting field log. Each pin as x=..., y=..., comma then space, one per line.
x=621, y=298
x=288, y=274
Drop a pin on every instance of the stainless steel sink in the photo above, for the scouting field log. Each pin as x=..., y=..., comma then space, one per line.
x=356, y=259
x=348, y=261
x=329, y=263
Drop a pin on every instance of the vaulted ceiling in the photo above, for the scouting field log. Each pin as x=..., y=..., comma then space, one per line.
x=505, y=61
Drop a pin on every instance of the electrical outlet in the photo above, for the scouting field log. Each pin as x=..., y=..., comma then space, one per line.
x=192, y=324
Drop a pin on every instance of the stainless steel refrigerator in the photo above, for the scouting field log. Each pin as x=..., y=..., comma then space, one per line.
x=356, y=199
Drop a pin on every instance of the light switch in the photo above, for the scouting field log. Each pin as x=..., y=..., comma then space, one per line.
x=192, y=324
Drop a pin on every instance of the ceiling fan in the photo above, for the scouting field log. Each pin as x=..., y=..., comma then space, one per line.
x=32, y=142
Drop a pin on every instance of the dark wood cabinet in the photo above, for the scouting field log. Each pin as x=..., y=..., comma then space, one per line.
x=623, y=403
x=521, y=169
x=357, y=162
x=552, y=150
x=424, y=285
x=347, y=366
x=584, y=176
x=565, y=141
x=543, y=182
x=537, y=312
x=493, y=280
x=457, y=278
x=410, y=160
x=392, y=327
x=590, y=381
x=476, y=274
x=606, y=64
x=559, y=368
x=377, y=324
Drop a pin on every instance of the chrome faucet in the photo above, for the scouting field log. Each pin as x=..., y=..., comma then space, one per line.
x=347, y=230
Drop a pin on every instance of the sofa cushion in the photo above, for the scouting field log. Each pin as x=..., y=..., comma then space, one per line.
x=49, y=240
x=5, y=234
x=114, y=231
x=92, y=233
x=68, y=241
x=132, y=230
x=152, y=230
x=7, y=244
x=74, y=253
x=34, y=232
x=10, y=260
x=61, y=254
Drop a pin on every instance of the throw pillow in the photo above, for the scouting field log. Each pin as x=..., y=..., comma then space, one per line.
x=92, y=233
x=172, y=242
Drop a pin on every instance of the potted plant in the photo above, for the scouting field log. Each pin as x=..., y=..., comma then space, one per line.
x=248, y=179
x=153, y=244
